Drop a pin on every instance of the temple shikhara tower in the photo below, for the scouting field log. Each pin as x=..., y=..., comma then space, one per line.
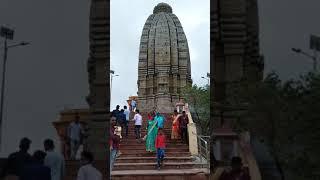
x=164, y=61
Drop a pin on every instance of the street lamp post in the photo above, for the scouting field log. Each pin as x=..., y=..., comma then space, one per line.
x=112, y=75
x=313, y=57
x=206, y=79
x=315, y=46
x=7, y=34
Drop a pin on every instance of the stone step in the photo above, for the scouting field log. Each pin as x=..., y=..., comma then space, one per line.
x=148, y=154
x=143, y=147
x=152, y=159
x=144, y=126
x=124, y=150
x=163, y=174
x=133, y=136
x=169, y=145
x=127, y=140
x=150, y=166
x=123, y=132
x=143, y=129
x=135, y=143
x=75, y=177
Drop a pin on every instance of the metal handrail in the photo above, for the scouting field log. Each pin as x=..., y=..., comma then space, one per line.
x=204, y=150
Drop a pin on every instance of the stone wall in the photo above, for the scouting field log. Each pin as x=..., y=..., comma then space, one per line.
x=98, y=69
x=236, y=45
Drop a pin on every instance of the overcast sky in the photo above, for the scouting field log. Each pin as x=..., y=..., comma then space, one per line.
x=127, y=20
x=51, y=74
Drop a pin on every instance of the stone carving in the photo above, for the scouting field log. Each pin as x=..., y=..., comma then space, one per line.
x=98, y=63
x=236, y=45
x=164, y=61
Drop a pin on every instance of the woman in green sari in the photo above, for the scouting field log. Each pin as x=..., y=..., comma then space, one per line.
x=152, y=131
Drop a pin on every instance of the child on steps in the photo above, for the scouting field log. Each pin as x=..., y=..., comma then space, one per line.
x=160, y=146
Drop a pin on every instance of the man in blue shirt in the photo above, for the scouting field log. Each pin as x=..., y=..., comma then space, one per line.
x=133, y=105
x=75, y=134
x=127, y=114
x=115, y=113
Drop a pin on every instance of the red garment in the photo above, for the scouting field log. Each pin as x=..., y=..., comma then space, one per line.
x=111, y=134
x=114, y=139
x=116, y=142
x=161, y=141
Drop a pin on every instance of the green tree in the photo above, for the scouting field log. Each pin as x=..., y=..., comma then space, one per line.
x=285, y=115
x=198, y=99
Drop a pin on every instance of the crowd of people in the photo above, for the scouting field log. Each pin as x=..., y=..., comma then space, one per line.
x=154, y=138
x=41, y=165
x=47, y=164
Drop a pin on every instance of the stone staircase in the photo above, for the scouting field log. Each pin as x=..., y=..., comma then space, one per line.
x=137, y=164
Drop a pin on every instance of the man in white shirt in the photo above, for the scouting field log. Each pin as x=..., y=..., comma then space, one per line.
x=127, y=113
x=54, y=161
x=75, y=132
x=87, y=171
x=137, y=122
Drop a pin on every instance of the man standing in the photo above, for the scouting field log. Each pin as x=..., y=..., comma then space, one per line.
x=54, y=161
x=137, y=123
x=87, y=171
x=183, y=122
x=75, y=134
x=127, y=113
x=16, y=161
x=123, y=119
x=115, y=113
x=133, y=105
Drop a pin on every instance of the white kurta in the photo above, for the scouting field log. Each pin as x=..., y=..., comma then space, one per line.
x=88, y=172
x=55, y=162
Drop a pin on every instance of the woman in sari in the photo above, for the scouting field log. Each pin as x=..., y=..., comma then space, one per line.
x=160, y=120
x=175, y=132
x=152, y=131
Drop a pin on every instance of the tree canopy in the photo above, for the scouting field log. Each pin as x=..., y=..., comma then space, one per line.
x=199, y=100
x=285, y=115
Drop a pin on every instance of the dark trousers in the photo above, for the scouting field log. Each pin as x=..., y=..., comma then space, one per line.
x=160, y=156
x=184, y=134
x=137, y=131
x=124, y=125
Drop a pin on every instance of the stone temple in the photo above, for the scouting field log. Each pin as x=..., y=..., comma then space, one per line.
x=164, y=67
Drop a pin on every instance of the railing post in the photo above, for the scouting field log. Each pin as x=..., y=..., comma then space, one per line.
x=199, y=147
x=208, y=154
